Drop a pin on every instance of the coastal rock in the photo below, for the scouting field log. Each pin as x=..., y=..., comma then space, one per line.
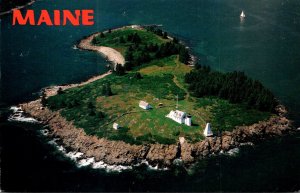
x=119, y=152
x=186, y=152
x=227, y=141
x=161, y=154
x=201, y=149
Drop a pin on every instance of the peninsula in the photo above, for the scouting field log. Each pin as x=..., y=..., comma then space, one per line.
x=155, y=103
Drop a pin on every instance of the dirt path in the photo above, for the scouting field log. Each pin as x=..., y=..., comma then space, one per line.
x=175, y=80
x=51, y=91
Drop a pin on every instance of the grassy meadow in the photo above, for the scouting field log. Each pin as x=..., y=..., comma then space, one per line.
x=162, y=80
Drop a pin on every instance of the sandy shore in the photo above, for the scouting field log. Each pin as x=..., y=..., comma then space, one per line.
x=110, y=54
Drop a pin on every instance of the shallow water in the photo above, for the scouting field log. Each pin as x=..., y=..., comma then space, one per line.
x=265, y=46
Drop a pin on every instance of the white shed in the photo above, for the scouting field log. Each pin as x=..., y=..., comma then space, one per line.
x=116, y=126
x=207, y=131
x=144, y=105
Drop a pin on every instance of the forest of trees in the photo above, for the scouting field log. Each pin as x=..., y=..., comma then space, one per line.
x=233, y=86
x=140, y=52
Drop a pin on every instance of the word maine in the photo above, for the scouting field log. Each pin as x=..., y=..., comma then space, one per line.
x=59, y=18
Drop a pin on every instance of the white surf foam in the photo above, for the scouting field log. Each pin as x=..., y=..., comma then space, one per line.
x=18, y=116
x=83, y=162
x=74, y=155
x=151, y=167
x=247, y=144
x=109, y=168
x=233, y=151
x=44, y=132
x=86, y=162
x=75, y=47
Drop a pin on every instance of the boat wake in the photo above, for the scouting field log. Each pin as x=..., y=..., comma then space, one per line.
x=18, y=116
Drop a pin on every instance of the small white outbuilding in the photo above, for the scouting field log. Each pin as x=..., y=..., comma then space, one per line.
x=188, y=120
x=207, y=131
x=144, y=105
x=116, y=126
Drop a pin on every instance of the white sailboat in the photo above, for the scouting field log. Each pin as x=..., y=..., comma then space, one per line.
x=242, y=16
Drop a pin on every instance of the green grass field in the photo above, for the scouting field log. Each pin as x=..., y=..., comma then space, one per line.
x=162, y=81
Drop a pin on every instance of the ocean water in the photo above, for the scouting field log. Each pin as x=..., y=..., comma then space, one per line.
x=265, y=45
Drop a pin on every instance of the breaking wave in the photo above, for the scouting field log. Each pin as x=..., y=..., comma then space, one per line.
x=80, y=161
x=18, y=116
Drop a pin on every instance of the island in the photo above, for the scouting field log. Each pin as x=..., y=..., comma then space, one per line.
x=157, y=103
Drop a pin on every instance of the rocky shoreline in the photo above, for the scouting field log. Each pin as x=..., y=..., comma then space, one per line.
x=121, y=153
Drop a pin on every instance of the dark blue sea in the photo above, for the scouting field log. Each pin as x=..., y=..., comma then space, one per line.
x=265, y=45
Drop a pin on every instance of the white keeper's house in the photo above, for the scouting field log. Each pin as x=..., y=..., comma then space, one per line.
x=180, y=117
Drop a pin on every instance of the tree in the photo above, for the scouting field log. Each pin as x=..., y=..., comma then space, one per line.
x=138, y=75
x=175, y=41
x=198, y=66
x=122, y=40
x=136, y=38
x=90, y=105
x=43, y=100
x=92, y=112
x=128, y=56
x=100, y=114
x=102, y=35
x=120, y=70
x=60, y=91
x=130, y=48
x=96, y=40
x=106, y=90
x=165, y=35
x=128, y=65
x=184, y=56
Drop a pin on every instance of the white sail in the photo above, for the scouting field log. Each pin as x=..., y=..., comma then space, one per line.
x=207, y=131
x=242, y=15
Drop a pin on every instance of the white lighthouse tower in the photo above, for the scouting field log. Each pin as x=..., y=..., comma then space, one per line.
x=188, y=120
x=207, y=131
